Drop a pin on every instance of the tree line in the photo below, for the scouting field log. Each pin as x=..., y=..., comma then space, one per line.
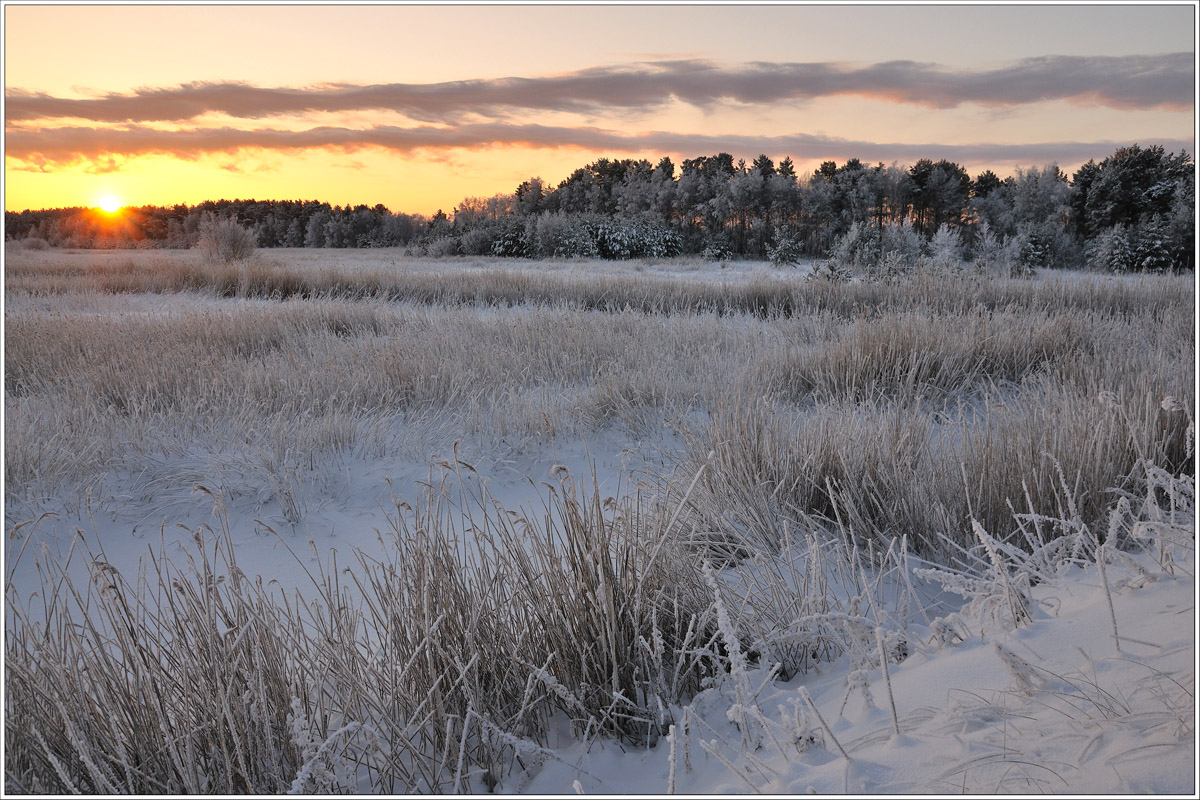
x=1132, y=211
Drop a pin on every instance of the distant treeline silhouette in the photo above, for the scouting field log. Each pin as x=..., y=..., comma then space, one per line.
x=1132, y=211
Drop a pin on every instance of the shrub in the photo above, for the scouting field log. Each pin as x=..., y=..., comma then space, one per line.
x=717, y=249
x=223, y=239
x=562, y=236
x=989, y=249
x=592, y=236
x=905, y=240
x=1033, y=253
x=892, y=268
x=858, y=248
x=945, y=249
x=1111, y=250
x=1152, y=250
x=510, y=240
x=663, y=242
x=901, y=245
x=635, y=238
x=830, y=270
x=787, y=249
x=441, y=246
x=477, y=241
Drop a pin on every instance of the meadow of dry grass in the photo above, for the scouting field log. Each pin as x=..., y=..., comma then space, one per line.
x=819, y=391
x=890, y=417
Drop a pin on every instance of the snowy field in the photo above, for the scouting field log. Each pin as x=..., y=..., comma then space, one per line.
x=600, y=527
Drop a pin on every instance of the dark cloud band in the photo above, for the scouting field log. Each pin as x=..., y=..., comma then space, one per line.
x=1124, y=82
x=58, y=146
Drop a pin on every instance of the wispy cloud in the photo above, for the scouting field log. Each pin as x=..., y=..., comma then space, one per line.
x=1123, y=82
x=58, y=146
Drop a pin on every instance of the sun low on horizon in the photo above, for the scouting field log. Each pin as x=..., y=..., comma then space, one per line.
x=460, y=112
x=109, y=204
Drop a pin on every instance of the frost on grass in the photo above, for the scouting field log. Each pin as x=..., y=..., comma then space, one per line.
x=887, y=560
x=985, y=703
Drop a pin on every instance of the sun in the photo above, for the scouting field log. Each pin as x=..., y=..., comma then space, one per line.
x=109, y=204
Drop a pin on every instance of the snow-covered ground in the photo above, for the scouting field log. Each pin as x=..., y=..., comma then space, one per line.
x=1056, y=703
x=1051, y=707
x=341, y=506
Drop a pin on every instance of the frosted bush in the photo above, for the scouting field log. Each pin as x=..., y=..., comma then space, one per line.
x=1152, y=250
x=717, y=249
x=830, y=270
x=324, y=769
x=635, y=238
x=30, y=242
x=904, y=240
x=990, y=254
x=1033, y=253
x=901, y=246
x=511, y=240
x=945, y=249
x=477, y=241
x=858, y=248
x=593, y=236
x=1110, y=251
x=892, y=268
x=561, y=236
x=786, y=250
x=223, y=239
x=442, y=246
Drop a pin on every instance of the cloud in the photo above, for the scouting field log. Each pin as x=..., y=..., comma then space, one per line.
x=1123, y=82
x=68, y=145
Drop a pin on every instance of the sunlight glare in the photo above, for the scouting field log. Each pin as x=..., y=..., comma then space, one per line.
x=109, y=204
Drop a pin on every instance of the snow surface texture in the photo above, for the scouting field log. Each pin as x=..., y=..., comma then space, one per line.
x=1054, y=704
x=1052, y=707
x=1081, y=683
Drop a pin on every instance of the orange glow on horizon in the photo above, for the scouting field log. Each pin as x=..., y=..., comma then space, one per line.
x=458, y=112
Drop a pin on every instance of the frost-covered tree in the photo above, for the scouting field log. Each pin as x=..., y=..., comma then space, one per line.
x=858, y=249
x=1033, y=253
x=529, y=196
x=990, y=252
x=1152, y=249
x=786, y=250
x=945, y=248
x=904, y=240
x=997, y=208
x=1111, y=250
x=1041, y=203
x=1180, y=222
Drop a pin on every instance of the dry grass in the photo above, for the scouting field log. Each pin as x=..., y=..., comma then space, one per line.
x=89, y=392
x=922, y=355
x=883, y=419
x=884, y=409
x=435, y=670
x=881, y=471
x=581, y=285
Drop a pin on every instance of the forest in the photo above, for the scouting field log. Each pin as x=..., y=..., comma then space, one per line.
x=1131, y=212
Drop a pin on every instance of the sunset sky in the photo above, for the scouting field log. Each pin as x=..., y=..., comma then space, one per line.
x=417, y=107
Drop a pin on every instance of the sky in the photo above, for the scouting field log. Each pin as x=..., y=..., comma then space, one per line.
x=418, y=107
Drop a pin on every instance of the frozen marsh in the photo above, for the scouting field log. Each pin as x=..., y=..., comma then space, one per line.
x=346, y=521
